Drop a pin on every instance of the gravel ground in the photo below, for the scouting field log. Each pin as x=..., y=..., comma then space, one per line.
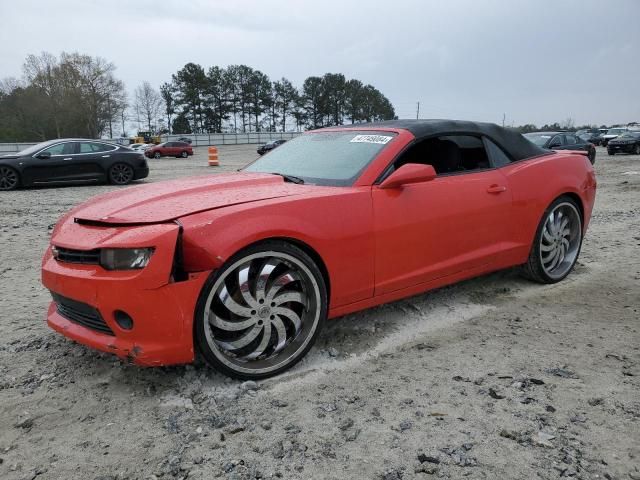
x=492, y=378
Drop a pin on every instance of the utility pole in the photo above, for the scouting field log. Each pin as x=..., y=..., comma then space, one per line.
x=110, y=117
x=418, y=111
x=504, y=116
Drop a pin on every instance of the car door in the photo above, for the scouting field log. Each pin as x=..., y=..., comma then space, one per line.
x=424, y=231
x=52, y=169
x=169, y=149
x=92, y=160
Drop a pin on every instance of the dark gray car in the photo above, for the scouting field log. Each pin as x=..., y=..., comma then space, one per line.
x=72, y=160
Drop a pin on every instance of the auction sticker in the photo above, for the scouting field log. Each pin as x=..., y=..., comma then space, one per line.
x=371, y=139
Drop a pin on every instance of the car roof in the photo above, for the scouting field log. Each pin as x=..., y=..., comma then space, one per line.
x=513, y=142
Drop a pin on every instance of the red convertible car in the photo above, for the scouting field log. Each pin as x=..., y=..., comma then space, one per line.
x=246, y=267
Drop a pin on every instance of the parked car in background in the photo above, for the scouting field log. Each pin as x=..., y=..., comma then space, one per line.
x=185, y=140
x=139, y=146
x=562, y=141
x=71, y=160
x=590, y=135
x=612, y=133
x=246, y=267
x=169, y=149
x=267, y=147
x=628, y=142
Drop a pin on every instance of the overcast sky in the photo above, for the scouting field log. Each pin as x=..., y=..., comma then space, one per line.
x=535, y=61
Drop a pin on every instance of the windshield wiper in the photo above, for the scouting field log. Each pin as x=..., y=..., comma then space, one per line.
x=289, y=178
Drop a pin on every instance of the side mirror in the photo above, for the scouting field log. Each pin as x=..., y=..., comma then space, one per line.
x=44, y=155
x=409, y=173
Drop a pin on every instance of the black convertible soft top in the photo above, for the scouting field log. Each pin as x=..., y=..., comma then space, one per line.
x=512, y=142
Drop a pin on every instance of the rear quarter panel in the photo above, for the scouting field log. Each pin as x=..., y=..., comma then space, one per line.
x=537, y=182
x=335, y=222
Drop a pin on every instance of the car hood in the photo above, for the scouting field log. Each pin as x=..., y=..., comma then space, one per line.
x=166, y=201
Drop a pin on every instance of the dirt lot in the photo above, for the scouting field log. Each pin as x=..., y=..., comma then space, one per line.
x=493, y=378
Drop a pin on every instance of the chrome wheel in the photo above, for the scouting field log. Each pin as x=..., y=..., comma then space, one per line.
x=121, y=174
x=8, y=178
x=262, y=312
x=560, y=240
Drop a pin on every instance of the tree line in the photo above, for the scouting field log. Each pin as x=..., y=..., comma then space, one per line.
x=239, y=98
x=77, y=95
x=74, y=95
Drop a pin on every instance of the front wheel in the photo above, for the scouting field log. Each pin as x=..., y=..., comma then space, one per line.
x=592, y=156
x=157, y=155
x=557, y=243
x=610, y=153
x=184, y=154
x=120, y=174
x=636, y=150
x=261, y=312
x=9, y=178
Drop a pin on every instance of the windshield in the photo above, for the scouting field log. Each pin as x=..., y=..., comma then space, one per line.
x=538, y=138
x=326, y=158
x=616, y=131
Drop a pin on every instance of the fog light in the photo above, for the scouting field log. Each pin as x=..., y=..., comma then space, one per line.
x=123, y=319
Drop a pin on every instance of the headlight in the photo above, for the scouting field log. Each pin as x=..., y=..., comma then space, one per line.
x=125, y=258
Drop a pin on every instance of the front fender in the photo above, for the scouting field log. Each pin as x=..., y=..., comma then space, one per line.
x=336, y=226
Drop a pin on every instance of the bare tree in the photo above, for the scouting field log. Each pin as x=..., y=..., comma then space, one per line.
x=149, y=103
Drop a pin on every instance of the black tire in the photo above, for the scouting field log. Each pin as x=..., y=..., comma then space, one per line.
x=184, y=154
x=120, y=174
x=535, y=268
x=264, y=356
x=636, y=151
x=157, y=155
x=9, y=178
x=592, y=156
x=610, y=152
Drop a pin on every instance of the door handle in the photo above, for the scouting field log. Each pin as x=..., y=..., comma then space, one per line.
x=496, y=189
x=106, y=156
x=68, y=158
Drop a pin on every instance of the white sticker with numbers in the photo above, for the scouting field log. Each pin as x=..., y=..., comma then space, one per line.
x=371, y=139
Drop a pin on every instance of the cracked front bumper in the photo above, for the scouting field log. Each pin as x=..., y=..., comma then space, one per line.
x=162, y=310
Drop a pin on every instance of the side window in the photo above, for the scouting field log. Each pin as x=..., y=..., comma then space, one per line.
x=448, y=154
x=86, y=147
x=570, y=140
x=557, y=140
x=102, y=147
x=496, y=155
x=55, y=150
x=169, y=144
x=61, y=149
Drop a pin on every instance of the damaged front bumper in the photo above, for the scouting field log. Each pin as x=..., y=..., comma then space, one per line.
x=160, y=307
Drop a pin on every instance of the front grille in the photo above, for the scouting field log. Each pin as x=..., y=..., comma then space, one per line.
x=81, y=313
x=67, y=255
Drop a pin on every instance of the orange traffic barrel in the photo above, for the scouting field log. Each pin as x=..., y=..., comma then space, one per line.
x=213, y=157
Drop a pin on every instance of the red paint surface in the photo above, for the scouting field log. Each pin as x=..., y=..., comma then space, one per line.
x=377, y=245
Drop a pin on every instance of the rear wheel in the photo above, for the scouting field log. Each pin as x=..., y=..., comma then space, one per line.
x=636, y=150
x=592, y=156
x=261, y=312
x=157, y=155
x=9, y=178
x=557, y=243
x=610, y=152
x=120, y=174
x=184, y=154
